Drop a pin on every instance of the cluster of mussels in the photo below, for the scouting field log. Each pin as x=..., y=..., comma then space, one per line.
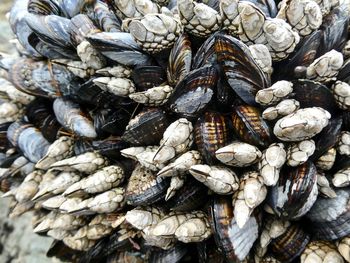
x=157, y=131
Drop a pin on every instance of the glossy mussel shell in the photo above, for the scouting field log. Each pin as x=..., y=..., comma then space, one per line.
x=295, y=192
x=109, y=147
x=302, y=57
x=250, y=127
x=40, y=113
x=330, y=217
x=234, y=242
x=146, y=128
x=242, y=73
x=39, y=78
x=145, y=188
x=328, y=137
x=193, y=94
x=335, y=31
x=179, y=60
x=313, y=94
x=211, y=133
x=191, y=196
x=147, y=77
x=290, y=244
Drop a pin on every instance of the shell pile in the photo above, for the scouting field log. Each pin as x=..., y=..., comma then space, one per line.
x=168, y=131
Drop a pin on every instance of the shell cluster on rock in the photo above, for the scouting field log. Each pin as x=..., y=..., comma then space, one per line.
x=181, y=130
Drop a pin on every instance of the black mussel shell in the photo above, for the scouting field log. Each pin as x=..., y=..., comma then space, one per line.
x=191, y=196
x=132, y=256
x=105, y=247
x=112, y=121
x=174, y=254
x=290, y=244
x=295, y=192
x=105, y=19
x=7, y=161
x=39, y=78
x=208, y=252
x=44, y=7
x=346, y=120
x=53, y=30
x=109, y=147
x=313, y=94
x=242, y=73
x=330, y=217
x=344, y=72
x=28, y=139
x=335, y=31
x=40, y=113
x=49, y=51
x=19, y=26
x=147, y=127
x=59, y=250
x=206, y=54
x=268, y=7
x=80, y=27
x=211, y=133
x=119, y=47
x=234, y=242
x=4, y=142
x=15, y=129
x=250, y=127
x=145, y=188
x=73, y=7
x=193, y=94
x=304, y=55
x=91, y=94
x=180, y=59
x=328, y=137
x=226, y=99
x=146, y=77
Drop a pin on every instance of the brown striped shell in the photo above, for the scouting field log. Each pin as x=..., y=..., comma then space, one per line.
x=234, y=242
x=146, y=128
x=193, y=93
x=144, y=187
x=250, y=127
x=290, y=244
x=295, y=192
x=211, y=133
x=179, y=60
x=242, y=72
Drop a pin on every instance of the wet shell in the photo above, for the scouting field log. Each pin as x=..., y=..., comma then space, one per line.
x=71, y=117
x=36, y=78
x=144, y=187
x=147, y=127
x=313, y=94
x=192, y=95
x=191, y=196
x=250, y=127
x=242, y=73
x=290, y=244
x=330, y=216
x=211, y=133
x=295, y=192
x=234, y=242
x=29, y=140
x=147, y=77
x=180, y=59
